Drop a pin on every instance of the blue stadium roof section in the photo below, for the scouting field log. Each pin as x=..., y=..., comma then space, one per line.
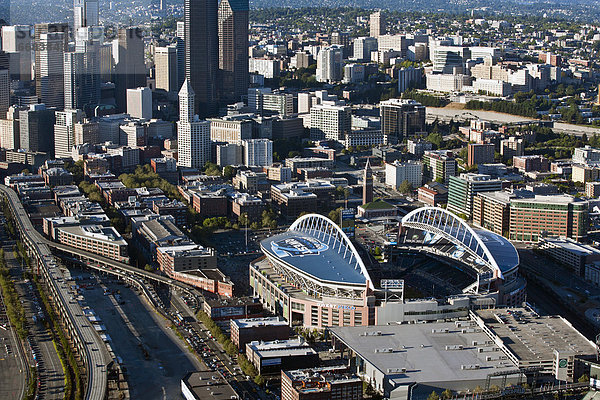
x=492, y=250
x=316, y=246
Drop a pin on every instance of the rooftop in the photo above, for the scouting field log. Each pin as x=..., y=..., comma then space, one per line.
x=572, y=246
x=208, y=385
x=532, y=337
x=281, y=348
x=256, y=322
x=97, y=232
x=429, y=352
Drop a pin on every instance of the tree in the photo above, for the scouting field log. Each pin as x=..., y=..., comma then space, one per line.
x=447, y=394
x=228, y=172
x=334, y=215
x=433, y=396
x=148, y=268
x=583, y=379
x=405, y=187
x=243, y=220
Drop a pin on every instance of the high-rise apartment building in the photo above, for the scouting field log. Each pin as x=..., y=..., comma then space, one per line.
x=377, y=24
x=401, y=118
x=130, y=70
x=440, y=165
x=166, y=68
x=51, y=69
x=201, y=53
x=233, y=49
x=9, y=130
x=398, y=172
x=511, y=147
x=85, y=13
x=330, y=121
x=462, y=189
x=480, y=153
x=258, y=152
x=329, y=64
x=64, y=131
x=193, y=135
x=363, y=46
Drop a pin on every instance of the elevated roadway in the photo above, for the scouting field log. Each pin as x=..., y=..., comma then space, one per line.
x=89, y=345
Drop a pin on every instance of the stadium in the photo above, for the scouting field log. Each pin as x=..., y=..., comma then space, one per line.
x=314, y=276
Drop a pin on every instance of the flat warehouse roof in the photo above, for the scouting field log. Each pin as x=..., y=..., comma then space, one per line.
x=531, y=337
x=430, y=352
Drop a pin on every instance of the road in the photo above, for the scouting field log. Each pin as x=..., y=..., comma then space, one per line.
x=90, y=345
x=446, y=113
x=50, y=371
x=13, y=376
x=153, y=357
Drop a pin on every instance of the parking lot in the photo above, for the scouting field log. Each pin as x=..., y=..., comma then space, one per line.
x=153, y=357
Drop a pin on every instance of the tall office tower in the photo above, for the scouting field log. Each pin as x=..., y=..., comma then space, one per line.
x=130, y=70
x=367, y=183
x=233, y=49
x=36, y=125
x=38, y=31
x=64, y=131
x=401, y=118
x=82, y=76
x=165, y=68
x=139, y=102
x=51, y=69
x=201, y=53
x=377, y=24
x=193, y=135
x=4, y=92
x=329, y=64
x=180, y=43
x=85, y=13
x=17, y=43
x=107, y=62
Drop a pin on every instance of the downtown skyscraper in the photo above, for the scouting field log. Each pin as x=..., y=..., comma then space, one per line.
x=233, y=49
x=130, y=70
x=85, y=13
x=201, y=54
x=193, y=135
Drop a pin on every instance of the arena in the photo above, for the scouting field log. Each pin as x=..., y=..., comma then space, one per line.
x=313, y=275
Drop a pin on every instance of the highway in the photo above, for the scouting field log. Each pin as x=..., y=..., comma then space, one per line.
x=445, y=114
x=89, y=344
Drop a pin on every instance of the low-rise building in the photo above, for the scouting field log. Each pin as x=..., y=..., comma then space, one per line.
x=232, y=308
x=281, y=355
x=265, y=329
x=251, y=206
x=97, y=239
x=569, y=252
x=321, y=383
x=174, y=208
x=398, y=172
x=206, y=385
x=377, y=209
x=592, y=190
x=531, y=163
x=433, y=194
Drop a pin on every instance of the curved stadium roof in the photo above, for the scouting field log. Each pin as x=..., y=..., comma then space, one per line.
x=492, y=249
x=315, y=246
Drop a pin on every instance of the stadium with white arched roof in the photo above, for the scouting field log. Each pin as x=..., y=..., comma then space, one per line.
x=313, y=275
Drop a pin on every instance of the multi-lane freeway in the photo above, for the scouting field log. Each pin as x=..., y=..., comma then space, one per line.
x=89, y=344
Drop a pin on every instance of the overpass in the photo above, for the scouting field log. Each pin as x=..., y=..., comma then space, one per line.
x=87, y=341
